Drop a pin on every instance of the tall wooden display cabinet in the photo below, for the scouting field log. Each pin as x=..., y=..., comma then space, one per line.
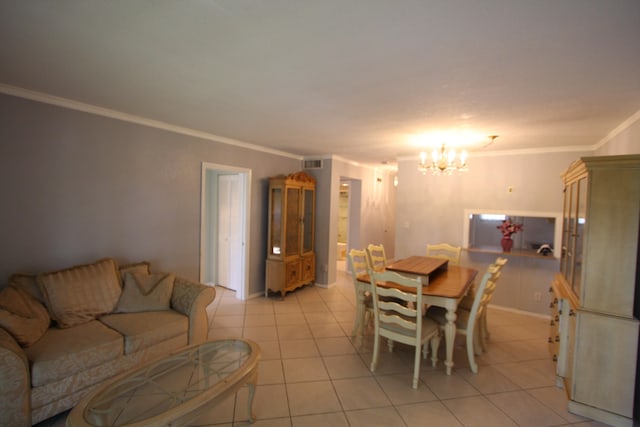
x=594, y=325
x=290, y=249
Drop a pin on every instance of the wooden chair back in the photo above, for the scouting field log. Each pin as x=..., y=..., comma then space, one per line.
x=397, y=311
x=445, y=251
x=377, y=257
x=359, y=263
x=398, y=317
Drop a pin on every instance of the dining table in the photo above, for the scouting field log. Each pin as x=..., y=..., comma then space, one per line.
x=443, y=286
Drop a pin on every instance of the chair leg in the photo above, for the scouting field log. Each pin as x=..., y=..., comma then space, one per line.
x=435, y=345
x=470, y=351
x=480, y=342
x=358, y=326
x=416, y=367
x=376, y=348
x=477, y=341
x=484, y=332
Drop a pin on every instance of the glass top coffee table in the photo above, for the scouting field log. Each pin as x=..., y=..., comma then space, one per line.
x=173, y=390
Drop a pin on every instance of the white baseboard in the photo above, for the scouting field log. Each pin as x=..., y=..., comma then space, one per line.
x=515, y=310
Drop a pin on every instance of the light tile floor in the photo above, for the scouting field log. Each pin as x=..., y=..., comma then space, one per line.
x=312, y=373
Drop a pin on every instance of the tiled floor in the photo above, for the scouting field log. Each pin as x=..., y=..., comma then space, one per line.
x=312, y=373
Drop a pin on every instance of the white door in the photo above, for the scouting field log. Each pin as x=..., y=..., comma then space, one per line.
x=224, y=227
x=229, y=271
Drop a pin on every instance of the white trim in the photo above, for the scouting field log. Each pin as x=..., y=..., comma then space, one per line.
x=598, y=414
x=246, y=232
x=518, y=152
x=557, y=234
x=527, y=151
x=515, y=310
x=325, y=285
x=620, y=128
x=118, y=115
x=256, y=295
x=131, y=118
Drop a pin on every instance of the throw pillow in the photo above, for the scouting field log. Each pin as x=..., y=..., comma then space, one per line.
x=146, y=292
x=80, y=294
x=23, y=316
x=138, y=267
x=27, y=283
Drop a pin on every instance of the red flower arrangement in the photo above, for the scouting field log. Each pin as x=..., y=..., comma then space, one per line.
x=507, y=228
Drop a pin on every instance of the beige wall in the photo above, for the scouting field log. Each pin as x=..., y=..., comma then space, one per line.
x=76, y=187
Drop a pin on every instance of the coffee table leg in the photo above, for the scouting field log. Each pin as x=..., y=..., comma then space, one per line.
x=252, y=391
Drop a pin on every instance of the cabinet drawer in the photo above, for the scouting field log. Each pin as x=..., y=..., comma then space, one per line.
x=292, y=273
x=308, y=268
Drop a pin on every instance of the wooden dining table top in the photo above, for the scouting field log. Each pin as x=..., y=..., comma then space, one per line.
x=454, y=282
x=420, y=265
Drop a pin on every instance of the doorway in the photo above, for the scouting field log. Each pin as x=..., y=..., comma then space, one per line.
x=224, y=227
x=343, y=226
x=349, y=209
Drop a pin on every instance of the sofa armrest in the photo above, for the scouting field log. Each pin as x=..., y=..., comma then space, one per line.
x=15, y=383
x=191, y=299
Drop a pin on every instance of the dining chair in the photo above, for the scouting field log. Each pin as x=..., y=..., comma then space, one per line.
x=377, y=257
x=484, y=329
x=467, y=321
x=402, y=322
x=364, y=300
x=467, y=301
x=445, y=251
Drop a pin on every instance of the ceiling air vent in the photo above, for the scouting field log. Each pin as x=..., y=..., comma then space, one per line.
x=312, y=164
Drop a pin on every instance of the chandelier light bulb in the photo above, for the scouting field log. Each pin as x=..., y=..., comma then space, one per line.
x=443, y=161
x=451, y=156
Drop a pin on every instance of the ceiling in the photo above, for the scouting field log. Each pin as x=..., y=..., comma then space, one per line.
x=360, y=79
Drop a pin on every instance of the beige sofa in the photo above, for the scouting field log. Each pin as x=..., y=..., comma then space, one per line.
x=63, y=333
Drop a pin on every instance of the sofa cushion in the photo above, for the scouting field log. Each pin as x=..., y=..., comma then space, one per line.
x=79, y=294
x=138, y=267
x=27, y=283
x=143, y=330
x=24, y=317
x=63, y=352
x=145, y=292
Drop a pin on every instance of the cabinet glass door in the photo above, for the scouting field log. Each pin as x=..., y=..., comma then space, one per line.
x=581, y=212
x=293, y=222
x=307, y=220
x=275, y=240
x=571, y=247
x=565, y=257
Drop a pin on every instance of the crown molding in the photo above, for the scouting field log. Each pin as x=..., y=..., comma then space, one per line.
x=119, y=115
x=620, y=128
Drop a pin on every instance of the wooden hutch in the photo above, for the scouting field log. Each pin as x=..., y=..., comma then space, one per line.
x=594, y=324
x=291, y=261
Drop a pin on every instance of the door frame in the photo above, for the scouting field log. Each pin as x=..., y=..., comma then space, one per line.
x=208, y=216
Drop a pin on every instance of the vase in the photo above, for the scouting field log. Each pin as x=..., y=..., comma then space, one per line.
x=506, y=243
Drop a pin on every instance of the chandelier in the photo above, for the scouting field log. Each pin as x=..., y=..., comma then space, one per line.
x=443, y=161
